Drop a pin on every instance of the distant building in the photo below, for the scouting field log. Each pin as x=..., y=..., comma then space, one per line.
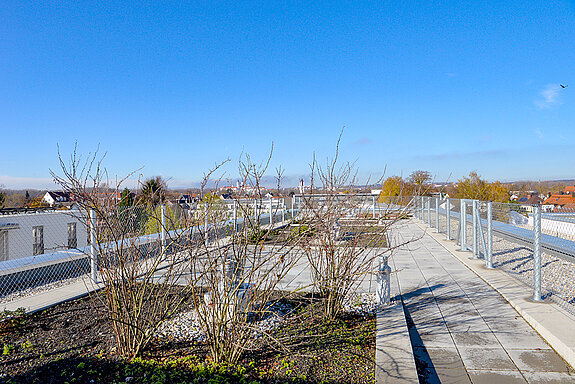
x=56, y=198
x=560, y=202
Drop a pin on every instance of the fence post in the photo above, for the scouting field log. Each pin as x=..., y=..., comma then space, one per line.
x=448, y=218
x=383, y=277
x=235, y=216
x=463, y=224
x=489, y=255
x=428, y=211
x=437, y=214
x=475, y=229
x=271, y=214
x=206, y=234
x=163, y=232
x=93, y=255
x=537, y=253
x=283, y=210
x=373, y=204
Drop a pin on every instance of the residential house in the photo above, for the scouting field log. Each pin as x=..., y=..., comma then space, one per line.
x=56, y=198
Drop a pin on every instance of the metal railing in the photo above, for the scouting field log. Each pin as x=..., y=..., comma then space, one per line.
x=45, y=250
x=534, y=246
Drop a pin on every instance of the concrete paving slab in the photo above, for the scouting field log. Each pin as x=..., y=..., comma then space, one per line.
x=538, y=361
x=496, y=377
x=443, y=376
x=520, y=340
x=548, y=378
x=476, y=340
x=549, y=320
x=443, y=358
x=495, y=359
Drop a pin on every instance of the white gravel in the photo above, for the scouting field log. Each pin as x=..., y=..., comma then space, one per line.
x=557, y=275
x=185, y=326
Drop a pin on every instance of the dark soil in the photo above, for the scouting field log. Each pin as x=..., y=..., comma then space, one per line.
x=73, y=343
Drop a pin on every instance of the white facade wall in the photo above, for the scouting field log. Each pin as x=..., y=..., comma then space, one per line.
x=55, y=223
x=557, y=227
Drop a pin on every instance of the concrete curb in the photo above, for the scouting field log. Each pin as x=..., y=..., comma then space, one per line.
x=394, y=361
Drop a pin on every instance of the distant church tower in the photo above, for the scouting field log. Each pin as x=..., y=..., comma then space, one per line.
x=301, y=187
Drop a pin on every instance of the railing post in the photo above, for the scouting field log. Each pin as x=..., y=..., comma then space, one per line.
x=235, y=216
x=489, y=246
x=271, y=213
x=463, y=223
x=475, y=230
x=373, y=204
x=163, y=229
x=448, y=218
x=437, y=214
x=93, y=255
x=428, y=211
x=206, y=234
x=283, y=210
x=384, y=286
x=537, y=253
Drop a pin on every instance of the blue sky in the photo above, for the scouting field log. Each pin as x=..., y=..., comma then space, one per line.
x=449, y=87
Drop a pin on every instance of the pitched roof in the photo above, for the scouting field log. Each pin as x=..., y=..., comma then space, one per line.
x=570, y=189
x=560, y=200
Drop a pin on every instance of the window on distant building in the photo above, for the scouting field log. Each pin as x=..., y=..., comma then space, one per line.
x=38, y=234
x=72, y=239
x=3, y=245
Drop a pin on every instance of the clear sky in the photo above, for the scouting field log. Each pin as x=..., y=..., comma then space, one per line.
x=449, y=87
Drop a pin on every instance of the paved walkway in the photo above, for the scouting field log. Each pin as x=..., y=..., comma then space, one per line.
x=462, y=330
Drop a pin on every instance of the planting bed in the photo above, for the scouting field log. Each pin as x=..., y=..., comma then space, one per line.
x=73, y=343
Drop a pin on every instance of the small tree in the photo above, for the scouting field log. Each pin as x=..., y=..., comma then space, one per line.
x=153, y=191
x=476, y=188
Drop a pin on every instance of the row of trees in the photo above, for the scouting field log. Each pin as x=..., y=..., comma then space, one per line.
x=419, y=183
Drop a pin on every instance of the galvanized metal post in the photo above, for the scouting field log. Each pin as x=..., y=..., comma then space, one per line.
x=384, y=286
x=448, y=218
x=283, y=210
x=489, y=245
x=235, y=216
x=537, y=253
x=428, y=211
x=475, y=229
x=437, y=214
x=373, y=204
x=93, y=256
x=163, y=231
x=206, y=234
x=271, y=213
x=292, y=209
x=463, y=224
x=422, y=212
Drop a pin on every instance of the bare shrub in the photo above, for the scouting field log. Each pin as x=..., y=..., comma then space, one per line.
x=136, y=269
x=237, y=273
x=346, y=236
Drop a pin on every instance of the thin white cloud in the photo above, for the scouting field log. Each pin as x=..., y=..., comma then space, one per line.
x=361, y=142
x=549, y=96
x=12, y=182
x=539, y=133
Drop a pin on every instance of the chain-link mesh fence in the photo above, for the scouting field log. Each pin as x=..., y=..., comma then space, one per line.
x=39, y=248
x=42, y=250
x=510, y=244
